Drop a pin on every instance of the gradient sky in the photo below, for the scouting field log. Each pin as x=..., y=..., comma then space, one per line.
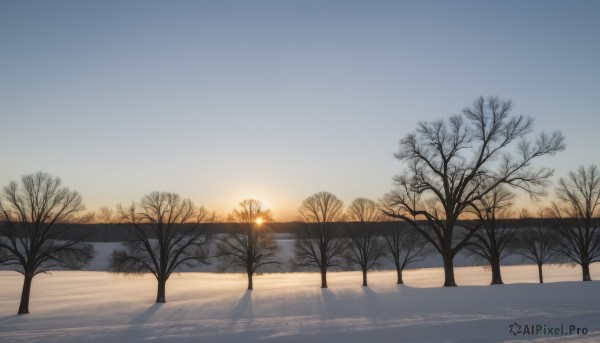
x=276, y=100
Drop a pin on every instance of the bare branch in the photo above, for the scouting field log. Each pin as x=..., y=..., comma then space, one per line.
x=165, y=234
x=454, y=163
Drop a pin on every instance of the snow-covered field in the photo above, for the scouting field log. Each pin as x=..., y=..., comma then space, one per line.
x=94, y=306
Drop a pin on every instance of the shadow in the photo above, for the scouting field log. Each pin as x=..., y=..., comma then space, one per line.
x=328, y=303
x=149, y=312
x=242, y=314
x=404, y=287
x=244, y=306
x=372, y=303
x=9, y=318
x=370, y=294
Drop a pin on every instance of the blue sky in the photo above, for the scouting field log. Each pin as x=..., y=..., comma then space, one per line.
x=223, y=100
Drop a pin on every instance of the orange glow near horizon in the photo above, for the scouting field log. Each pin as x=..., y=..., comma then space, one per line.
x=259, y=221
x=284, y=207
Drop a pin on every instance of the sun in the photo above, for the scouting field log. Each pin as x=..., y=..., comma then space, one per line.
x=259, y=220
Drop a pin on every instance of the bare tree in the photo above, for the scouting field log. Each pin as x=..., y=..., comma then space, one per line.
x=491, y=243
x=577, y=214
x=36, y=229
x=318, y=242
x=165, y=235
x=403, y=246
x=250, y=246
x=536, y=242
x=450, y=160
x=216, y=217
x=366, y=249
x=106, y=217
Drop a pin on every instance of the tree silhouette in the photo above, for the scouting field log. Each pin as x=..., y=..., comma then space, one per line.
x=366, y=249
x=403, y=246
x=36, y=229
x=164, y=235
x=491, y=243
x=577, y=215
x=106, y=217
x=449, y=161
x=250, y=246
x=318, y=239
x=536, y=242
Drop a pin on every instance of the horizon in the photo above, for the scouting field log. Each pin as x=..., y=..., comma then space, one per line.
x=276, y=101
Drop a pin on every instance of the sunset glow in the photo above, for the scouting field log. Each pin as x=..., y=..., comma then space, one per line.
x=247, y=100
x=332, y=171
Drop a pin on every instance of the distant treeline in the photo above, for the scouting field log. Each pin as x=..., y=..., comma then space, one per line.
x=116, y=233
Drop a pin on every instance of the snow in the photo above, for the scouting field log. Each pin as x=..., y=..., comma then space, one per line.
x=95, y=306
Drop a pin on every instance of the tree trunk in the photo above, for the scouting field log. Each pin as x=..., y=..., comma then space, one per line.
x=250, y=281
x=24, y=305
x=364, y=278
x=585, y=268
x=399, y=272
x=250, y=257
x=160, y=294
x=496, y=276
x=540, y=273
x=449, y=270
x=323, y=277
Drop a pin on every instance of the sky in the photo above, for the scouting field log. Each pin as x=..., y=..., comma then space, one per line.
x=276, y=100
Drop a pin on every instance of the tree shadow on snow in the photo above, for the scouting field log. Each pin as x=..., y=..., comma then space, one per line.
x=372, y=297
x=403, y=287
x=147, y=314
x=243, y=309
x=242, y=314
x=328, y=303
x=372, y=304
x=10, y=318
